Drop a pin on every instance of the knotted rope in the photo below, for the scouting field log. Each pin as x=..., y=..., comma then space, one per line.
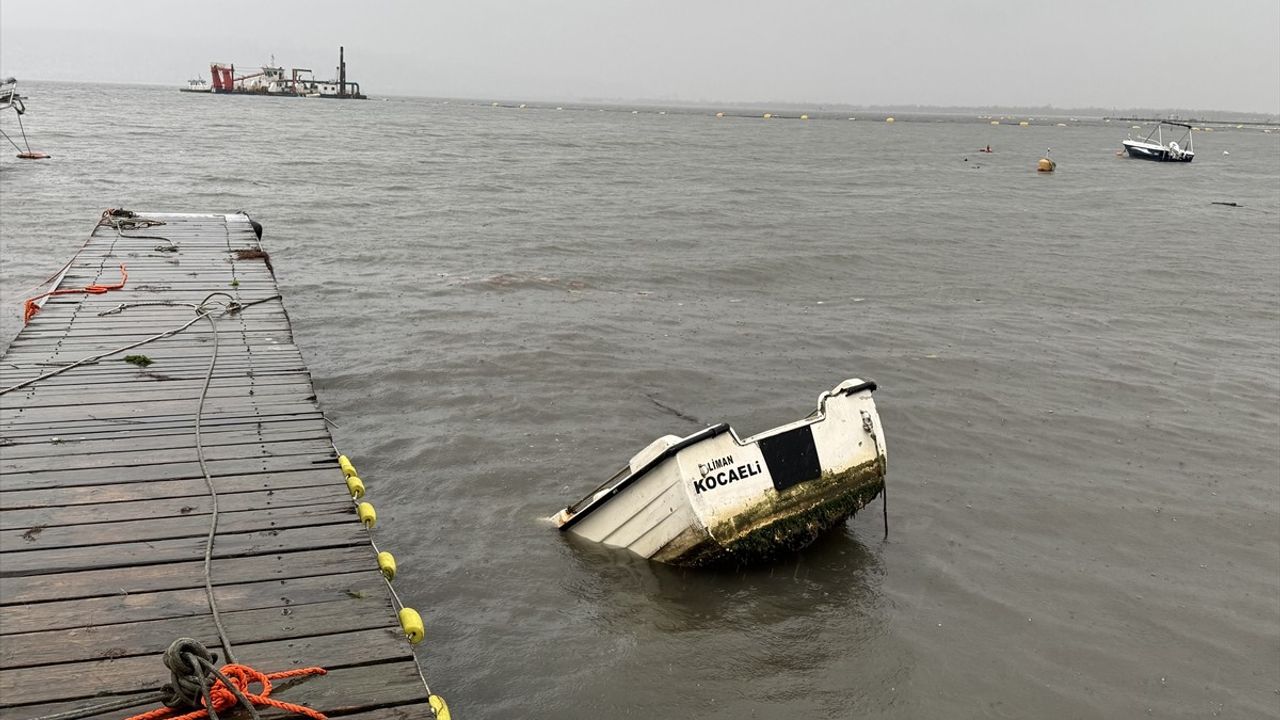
x=191, y=666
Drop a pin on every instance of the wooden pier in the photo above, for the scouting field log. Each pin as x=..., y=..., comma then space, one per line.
x=105, y=504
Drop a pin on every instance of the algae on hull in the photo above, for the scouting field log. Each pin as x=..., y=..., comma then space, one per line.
x=788, y=521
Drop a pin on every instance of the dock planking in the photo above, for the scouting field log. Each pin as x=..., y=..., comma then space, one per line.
x=104, y=507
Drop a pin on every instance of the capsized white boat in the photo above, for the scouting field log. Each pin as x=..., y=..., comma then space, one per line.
x=713, y=497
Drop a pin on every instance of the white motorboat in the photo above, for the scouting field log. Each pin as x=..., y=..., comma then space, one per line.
x=712, y=496
x=1153, y=147
x=9, y=97
x=11, y=100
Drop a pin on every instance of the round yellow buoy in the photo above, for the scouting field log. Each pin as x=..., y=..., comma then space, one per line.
x=804, y=117
x=347, y=468
x=440, y=708
x=1024, y=123
x=411, y=623
x=355, y=486
x=1046, y=165
x=719, y=114
x=768, y=115
x=368, y=516
x=387, y=564
x=888, y=120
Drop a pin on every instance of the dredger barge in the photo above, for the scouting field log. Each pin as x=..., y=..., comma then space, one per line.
x=273, y=80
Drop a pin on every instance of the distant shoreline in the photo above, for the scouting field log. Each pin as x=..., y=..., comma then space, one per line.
x=1136, y=114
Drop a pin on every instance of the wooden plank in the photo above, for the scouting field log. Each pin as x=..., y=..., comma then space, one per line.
x=268, y=392
x=177, y=470
x=160, y=408
x=41, y=537
x=341, y=533
x=136, y=607
x=124, y=490
x=175, y=576
x=127, y=460
x=191, y=507
x=154, y=442
x=365, y=609
x=154, y=426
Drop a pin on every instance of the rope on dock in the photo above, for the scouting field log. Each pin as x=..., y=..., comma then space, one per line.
x=202, y=312
x=30, y=306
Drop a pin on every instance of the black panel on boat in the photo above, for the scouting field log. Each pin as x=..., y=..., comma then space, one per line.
x=792, y=457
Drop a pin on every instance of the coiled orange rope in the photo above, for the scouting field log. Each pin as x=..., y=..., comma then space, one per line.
x=242, y=676
x=30, y=308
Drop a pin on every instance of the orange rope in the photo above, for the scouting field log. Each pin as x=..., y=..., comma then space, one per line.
x=30, y=308
x=242, y=676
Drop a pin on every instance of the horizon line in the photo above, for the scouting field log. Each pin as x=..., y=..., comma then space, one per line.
x=754, y=104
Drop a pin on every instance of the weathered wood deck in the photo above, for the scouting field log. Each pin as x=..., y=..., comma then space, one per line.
x=105, y=512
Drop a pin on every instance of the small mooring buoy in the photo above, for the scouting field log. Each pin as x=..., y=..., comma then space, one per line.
x=1046, y=164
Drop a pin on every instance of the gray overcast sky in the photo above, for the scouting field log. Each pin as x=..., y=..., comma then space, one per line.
x=1074, y=53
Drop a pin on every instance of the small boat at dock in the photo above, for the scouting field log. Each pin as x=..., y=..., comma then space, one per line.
x=712, y=497
x=1153, y=146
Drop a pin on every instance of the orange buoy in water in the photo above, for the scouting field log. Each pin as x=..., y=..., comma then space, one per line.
x=1046, y=165
x=33, y=155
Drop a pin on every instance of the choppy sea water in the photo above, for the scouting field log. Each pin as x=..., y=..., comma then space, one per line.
x=1079, y=379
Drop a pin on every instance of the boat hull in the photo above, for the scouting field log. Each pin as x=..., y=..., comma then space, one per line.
x=712, y=498
x=1156, y=153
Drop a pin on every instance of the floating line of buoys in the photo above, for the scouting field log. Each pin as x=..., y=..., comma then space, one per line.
x=411, y=621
